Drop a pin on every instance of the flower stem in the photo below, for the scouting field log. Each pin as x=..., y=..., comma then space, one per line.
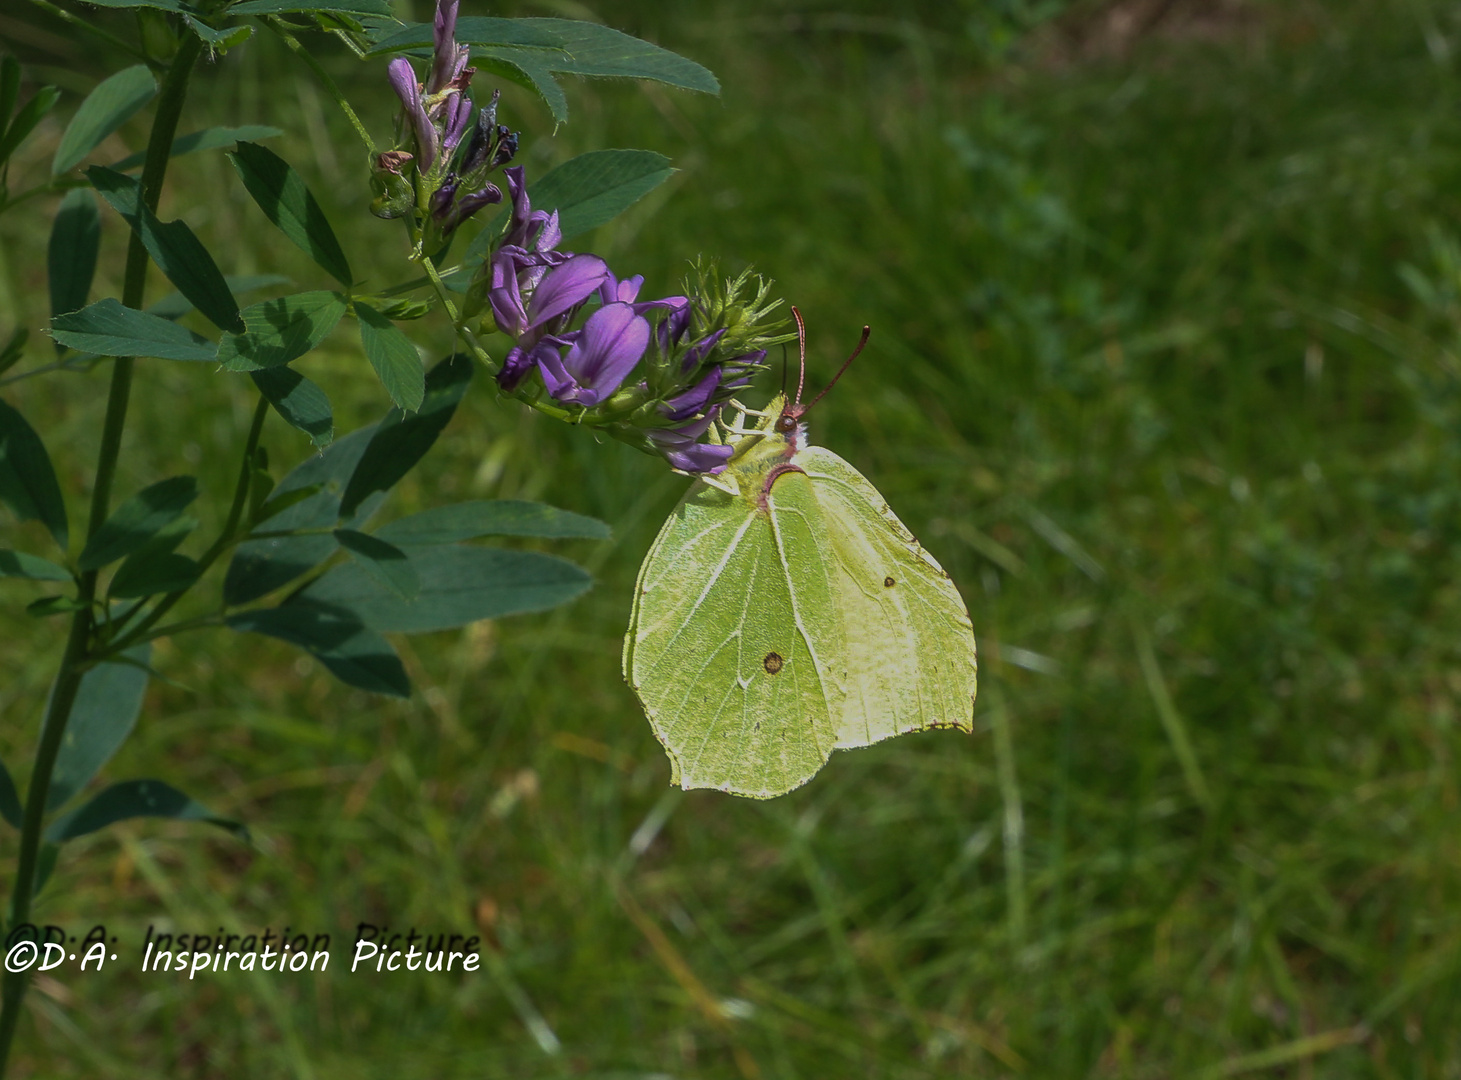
x=78, y=641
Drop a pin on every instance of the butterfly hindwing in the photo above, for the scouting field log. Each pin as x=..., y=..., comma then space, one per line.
x=909, y=642
x=734, y=619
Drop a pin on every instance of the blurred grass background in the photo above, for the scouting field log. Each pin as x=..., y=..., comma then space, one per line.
x=1164, y=370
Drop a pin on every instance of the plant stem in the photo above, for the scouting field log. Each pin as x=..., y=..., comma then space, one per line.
x=78, y=642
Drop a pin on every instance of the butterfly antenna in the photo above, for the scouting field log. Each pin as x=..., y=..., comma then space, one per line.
x=801, y=344
x=866, y=332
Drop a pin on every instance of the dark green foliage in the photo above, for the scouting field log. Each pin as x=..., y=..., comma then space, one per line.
x=71, y=254
x=27, y=480
x=10, y=808
x=456, y=585
x=106, y=328
x=495, y=517
x=106, y=710
x=105, y=109
x=132, y=799
x=138, y=520
x=281, y=330
x=174, y=248
x=336, y=638
x=212, y=138
x=401, y=440
x=393, y=357
x=286, y=201
x=300, y=402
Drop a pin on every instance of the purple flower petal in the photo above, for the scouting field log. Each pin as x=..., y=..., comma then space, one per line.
x=550, y=235
x=504, y=294
x=458, y=115
x=522, y=208
x=565, y=287
x=695, y=353
x=686, y=404
x=680, y=448
x=602, y=356
x=403, y=81
x=515, y=365
x=444, y=60
x=614, y=290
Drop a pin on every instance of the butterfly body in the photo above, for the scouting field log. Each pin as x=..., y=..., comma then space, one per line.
x=783, y=612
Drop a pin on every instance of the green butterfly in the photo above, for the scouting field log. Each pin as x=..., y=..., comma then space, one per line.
x=785, y=612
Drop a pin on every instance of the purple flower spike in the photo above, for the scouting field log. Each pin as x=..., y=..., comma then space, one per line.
x=681, y=450
x=601, y=357
x=403, y=81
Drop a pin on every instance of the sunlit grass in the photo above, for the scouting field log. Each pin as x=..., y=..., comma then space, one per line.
x=1145, y=376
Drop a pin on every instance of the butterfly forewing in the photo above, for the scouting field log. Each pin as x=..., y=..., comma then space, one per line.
x=909, y=641
x=733, y=620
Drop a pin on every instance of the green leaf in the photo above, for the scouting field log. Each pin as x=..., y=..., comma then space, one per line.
x=71, y=254
x=537, y=49
x=9, y=88
x=491, y=517
x=27, y=480
x=18, y=564
x=14, y=349
x=10, y=808
x=395, y=359
x=260, y=566
x=281, y=330
x=161, y=5
x=281, y=7
x=220, y=41
x=107, y=705
x=355, y=655
x=152, y=573
x=25, y=121
x=133, y=799
x=474, y=29
x=592, y=49
x=398, y=308
x=105, y=109
x=175, y=305
x=529, y=69
x=385, y=563
x=588, y=49
x=286, y=201
x=594, y=188
x=174, y=248
x=53, y=605
x=106, y=328
x=300, y=402
x=459, y=585
x=207, y=139
x=138, y=520
x=401, y=440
